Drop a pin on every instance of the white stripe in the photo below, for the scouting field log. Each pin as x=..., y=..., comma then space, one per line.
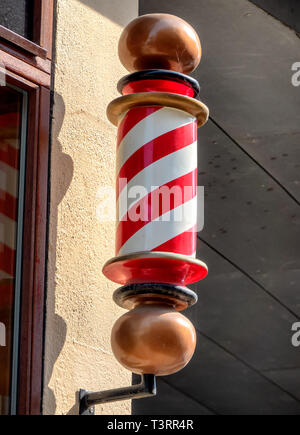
x=9, y=179
x=7, y=231
x=162, y=171
x=160, y=122
x=162, y=229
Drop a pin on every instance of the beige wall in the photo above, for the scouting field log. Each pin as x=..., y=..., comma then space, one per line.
x=80, y=310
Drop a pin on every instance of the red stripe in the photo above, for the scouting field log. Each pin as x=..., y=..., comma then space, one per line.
x=7, y=259
x=8, y=205
x=158, y=86
x=156, y=149
x=184, y=244
x=133, y=117
x=10, y=119
x=9, y=155
x=149, y=208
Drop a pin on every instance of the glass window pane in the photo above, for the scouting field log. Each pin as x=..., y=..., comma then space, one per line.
x=17, y=15
x=12, y=113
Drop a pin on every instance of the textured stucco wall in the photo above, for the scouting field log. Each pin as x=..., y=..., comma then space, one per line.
x=80, y=311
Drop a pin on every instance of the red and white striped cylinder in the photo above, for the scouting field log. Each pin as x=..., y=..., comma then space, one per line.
x=156, y=190
x=157, y=181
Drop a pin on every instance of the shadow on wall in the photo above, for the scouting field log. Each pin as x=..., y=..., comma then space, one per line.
x=110, y=9
x=63, y=165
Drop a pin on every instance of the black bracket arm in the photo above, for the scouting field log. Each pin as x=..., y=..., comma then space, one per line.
x=88, y=400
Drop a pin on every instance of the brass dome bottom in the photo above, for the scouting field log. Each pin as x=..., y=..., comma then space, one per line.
x=153, y=339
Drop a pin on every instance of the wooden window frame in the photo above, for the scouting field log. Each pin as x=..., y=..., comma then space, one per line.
x=29, y=69
x=36, y=53
x=41, y=45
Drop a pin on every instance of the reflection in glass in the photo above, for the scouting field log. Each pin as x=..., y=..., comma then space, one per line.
x=11, y=103
x=17, y=15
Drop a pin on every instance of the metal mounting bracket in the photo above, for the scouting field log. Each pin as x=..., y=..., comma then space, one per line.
x=88, y=399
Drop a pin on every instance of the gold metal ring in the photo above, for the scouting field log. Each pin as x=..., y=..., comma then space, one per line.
x=120, y=105
x=156, y=254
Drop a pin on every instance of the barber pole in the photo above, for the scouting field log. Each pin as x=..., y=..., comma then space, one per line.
x=157, y=117
x=156, y=186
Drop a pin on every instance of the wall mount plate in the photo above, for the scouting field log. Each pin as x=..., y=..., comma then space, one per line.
x=88, y=399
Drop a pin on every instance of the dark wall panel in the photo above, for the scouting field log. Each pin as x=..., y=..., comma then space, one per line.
x=248, y=217
x=170, y=401
x=287, y=11
x=242, y=318
x=224, y=385
x=245, y=77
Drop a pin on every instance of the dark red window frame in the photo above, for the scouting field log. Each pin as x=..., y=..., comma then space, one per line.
x=28, y=66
